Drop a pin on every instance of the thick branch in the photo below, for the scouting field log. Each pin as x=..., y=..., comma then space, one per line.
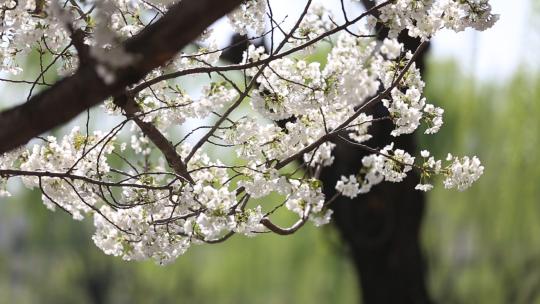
x=154, y=46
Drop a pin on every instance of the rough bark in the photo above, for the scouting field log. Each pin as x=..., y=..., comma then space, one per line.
x=382, y=228
x=154, y=46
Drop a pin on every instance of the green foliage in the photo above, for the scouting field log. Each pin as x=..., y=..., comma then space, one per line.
x=483, y=245
x=54, y=261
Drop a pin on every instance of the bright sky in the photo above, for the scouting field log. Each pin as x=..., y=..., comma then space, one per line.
x=494, y=54
x=499, y=51
x=491, y=55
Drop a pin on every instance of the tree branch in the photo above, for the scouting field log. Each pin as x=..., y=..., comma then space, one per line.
x=287, y=231
x=127, y=103
x=66, y=175
x=154, y=46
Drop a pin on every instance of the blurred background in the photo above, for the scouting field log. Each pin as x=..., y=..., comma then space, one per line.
x=482, y=245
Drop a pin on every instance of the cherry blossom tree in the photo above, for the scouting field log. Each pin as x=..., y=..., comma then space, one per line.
x=147, y=181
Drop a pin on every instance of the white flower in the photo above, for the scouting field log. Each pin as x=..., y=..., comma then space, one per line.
x=406, y=110
x=322, y=218
x=281, y=128
x=322, y=156
x=461, y=173
x=249, y=222
x=391, y=48
x=249, y=15
x=424, y=187
x=348, y=186
x=433, y=117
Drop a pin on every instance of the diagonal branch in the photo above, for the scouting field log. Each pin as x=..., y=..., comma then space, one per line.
x=127, y=103
x=154, y=46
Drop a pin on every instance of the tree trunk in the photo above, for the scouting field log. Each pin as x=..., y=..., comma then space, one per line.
x=382, y=228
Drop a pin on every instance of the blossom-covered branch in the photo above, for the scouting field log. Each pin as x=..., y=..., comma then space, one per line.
x=155, y=44
x=154, y=183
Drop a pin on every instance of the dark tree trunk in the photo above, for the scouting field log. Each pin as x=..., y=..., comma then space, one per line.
x=382, y=228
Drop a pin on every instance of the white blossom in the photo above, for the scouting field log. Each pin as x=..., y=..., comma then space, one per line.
x=424, y=187
x=461, y=173
x=282, y=115
x=391, y=48
x=250, y=15
x=348, y=186
x=433, y=117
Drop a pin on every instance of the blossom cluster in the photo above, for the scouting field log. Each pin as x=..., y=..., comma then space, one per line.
x=424, y=18
x=274, y=120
